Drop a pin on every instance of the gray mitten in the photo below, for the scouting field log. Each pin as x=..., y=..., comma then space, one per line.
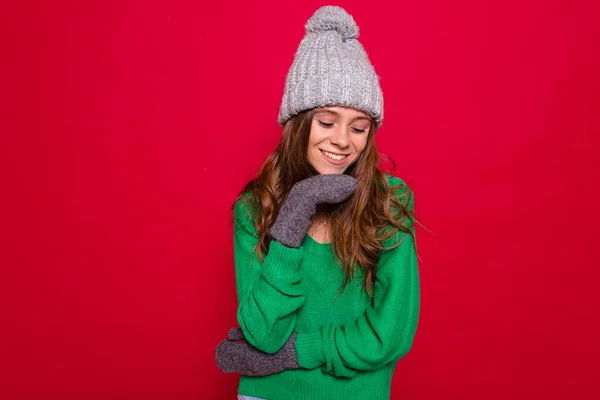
x=236, y=355
x=297, y=211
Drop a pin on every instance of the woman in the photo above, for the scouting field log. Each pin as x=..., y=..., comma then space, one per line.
x=325, y=259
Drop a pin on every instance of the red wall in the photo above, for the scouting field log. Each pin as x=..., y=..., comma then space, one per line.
x=129, y=127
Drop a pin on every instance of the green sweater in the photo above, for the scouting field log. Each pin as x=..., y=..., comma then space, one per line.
x=347, y=346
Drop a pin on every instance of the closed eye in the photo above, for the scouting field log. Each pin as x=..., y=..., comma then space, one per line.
x=325, y=124
x=330, y=124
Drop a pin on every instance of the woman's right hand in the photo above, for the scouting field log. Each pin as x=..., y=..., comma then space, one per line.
x=297, y=211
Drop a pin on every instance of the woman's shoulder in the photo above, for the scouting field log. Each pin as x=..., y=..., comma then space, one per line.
x=245, y=205
x=400, y=189
x=393, y=181
x=397, y=185
x=244, y=213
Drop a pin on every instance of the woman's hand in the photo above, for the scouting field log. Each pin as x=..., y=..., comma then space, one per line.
x=236, y=355
x=297, y=211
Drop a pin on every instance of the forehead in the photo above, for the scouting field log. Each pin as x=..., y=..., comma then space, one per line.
x=346, y=112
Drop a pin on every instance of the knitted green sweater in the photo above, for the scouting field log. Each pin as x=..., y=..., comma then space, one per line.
x=347, y=346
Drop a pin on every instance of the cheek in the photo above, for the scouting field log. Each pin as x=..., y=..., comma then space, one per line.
x=317, y=135
x=360, y=142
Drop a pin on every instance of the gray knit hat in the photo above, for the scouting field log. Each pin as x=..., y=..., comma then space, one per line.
x=331, y=68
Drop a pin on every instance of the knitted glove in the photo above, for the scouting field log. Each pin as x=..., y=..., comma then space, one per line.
x=295, y=215
x=236, y=355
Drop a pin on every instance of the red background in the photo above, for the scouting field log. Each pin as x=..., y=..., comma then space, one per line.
x=129, y=127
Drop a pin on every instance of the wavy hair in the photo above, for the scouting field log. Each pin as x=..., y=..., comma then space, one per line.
x=360, y=225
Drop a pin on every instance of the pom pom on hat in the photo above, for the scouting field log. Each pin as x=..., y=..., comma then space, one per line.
x=333, y=18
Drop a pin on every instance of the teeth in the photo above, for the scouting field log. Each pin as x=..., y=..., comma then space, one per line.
x=333, y=156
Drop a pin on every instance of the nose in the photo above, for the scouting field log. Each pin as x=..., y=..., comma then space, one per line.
x=339, y=136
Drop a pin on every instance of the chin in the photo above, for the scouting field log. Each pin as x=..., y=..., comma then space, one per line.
x=329, y=170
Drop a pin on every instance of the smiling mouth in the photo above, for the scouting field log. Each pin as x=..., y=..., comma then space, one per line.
x=334, y=156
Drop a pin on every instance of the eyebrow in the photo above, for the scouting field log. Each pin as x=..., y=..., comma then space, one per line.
x=326, y=110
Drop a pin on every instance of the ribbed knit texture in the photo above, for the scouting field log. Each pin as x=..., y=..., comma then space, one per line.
x=331, y=67
x=347, y=345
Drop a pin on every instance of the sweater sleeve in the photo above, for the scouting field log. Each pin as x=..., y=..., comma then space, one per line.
x=384, y=332
x=269, y=294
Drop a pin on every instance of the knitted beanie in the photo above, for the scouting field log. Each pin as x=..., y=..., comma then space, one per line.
x=331, y=68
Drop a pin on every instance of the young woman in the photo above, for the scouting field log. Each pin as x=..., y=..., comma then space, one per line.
x=325, y=258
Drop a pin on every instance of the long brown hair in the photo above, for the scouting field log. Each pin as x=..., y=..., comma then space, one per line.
x=360, y=225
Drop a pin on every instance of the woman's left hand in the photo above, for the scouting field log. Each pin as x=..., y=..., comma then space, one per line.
x=236, y=355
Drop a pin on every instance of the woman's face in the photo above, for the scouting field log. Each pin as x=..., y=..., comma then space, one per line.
x=338, y=136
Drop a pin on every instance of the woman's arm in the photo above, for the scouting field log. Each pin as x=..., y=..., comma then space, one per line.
x=384, y=333
x=269, y=294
